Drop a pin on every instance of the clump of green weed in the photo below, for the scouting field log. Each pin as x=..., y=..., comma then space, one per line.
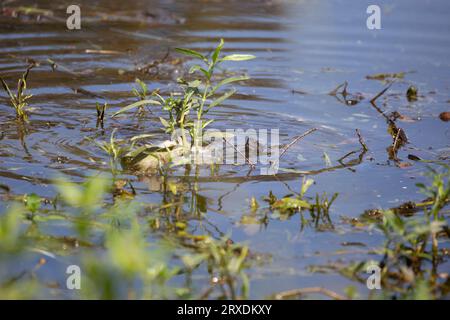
x=319, y=207
x=412, y=258
x=226, y=263
x=19, y=101
x=142, y=91
x=199, y=95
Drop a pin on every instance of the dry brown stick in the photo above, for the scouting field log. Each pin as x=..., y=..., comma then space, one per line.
x=303, y=291
x=335, y=91
x=296, y=139
x=394, y=146
x=381, y=92
x=238, y=151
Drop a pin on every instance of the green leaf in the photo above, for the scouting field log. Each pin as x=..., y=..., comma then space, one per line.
x=191, y=53
x=228, y=81
x=70, y=193
x=10, y=228
x=221, y=99
x=51, y=217
x=194, y=84
x=198, y=68
x=193, y=260
x=135, y=105
x=238, y=57
x=33, y=202
x=217, y=51
x=141, y=136
x=326, y=159
x=207, y=123
x=94, y=190
x=5, y=86
x=305, y=186
x=290, y=204
x=164, y=122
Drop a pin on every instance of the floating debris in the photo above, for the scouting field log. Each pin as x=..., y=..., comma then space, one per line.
x=387, y=76
x=445, y=116
x=411, y=93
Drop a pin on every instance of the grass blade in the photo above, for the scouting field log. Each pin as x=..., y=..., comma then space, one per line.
x=228, y=81
x=191, y=53
x=135, y=105
x=221, y=99
x=5, y=86
x=238, y=57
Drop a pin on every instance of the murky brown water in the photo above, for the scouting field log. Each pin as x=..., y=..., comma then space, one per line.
x=306, y=46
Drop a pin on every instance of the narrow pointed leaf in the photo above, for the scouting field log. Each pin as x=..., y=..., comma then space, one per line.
x=164, y=122
x=217, y=51
x=228, y=81
x=135, y=105
x=198, y=68
x=238, y=57
x=191, y=53
x=221, y=99
x=5, y=86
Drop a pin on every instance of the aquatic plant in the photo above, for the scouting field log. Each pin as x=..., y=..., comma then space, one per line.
x=186, y=110
x=101, y=109
x=143, y=92
x=199, y=95
x=19, y=101
x=200, y=91
x=411, y=256
x=111, y=268
x=113, y=148
x=226, y=263
x=318, y=207
x=10, y=229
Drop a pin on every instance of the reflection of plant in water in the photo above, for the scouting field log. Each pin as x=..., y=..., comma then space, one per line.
x=127, y=260
x=118, y=259
x=225, y=262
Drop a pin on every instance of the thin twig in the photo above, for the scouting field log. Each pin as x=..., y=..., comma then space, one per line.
x=303, y=291
x=296, y=139
x=335, y=91
x=394, y=146
x=361, y=140
x=381, y=92
x=238, y=151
